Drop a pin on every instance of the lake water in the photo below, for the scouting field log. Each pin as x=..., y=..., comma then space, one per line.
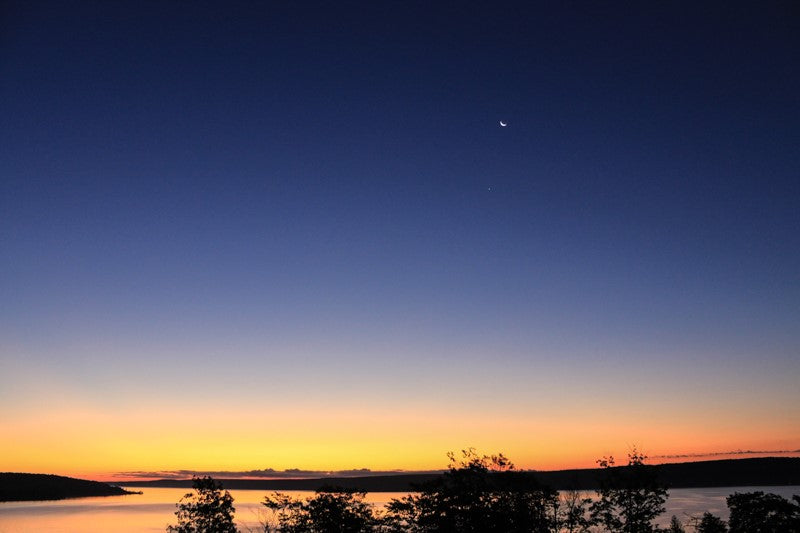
x=155, y=508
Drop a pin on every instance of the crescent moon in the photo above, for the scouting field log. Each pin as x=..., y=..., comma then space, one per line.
x=503, y=124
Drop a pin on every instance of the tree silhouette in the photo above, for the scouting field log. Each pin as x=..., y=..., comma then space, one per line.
x=709, y=523
x=675, y=525
x=756, y=512
x=331, y=510
x=477, y=494
x=573, y=514
x=630, y=497
x=207, y=510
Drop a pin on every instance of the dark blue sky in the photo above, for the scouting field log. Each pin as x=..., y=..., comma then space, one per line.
x=268, y=179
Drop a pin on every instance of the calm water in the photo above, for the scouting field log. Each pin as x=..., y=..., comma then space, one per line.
x=154, y=509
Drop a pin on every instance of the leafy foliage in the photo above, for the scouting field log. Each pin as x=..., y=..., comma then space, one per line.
x=709, y=523
x=331, y=510
x=756, y=512
x=477, y=494
x=573, y=513
x=675, y=525
x=630, y=497
x=207, y=510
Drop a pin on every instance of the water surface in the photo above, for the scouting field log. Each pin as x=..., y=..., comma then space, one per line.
x=155, y=509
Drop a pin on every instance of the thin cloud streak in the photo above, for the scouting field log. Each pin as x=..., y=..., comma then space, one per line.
x=267, y=473
x=718, y=454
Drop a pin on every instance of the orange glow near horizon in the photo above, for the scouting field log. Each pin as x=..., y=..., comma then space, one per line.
x=266, y=237
x=97, y=443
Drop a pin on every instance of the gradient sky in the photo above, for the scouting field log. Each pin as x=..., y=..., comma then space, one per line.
x=264, y=235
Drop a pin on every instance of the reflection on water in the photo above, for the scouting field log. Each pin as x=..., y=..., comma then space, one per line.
x=155, y=508
x=687, y=502
x=150, y=511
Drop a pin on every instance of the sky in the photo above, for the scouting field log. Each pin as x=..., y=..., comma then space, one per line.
x=294, y=234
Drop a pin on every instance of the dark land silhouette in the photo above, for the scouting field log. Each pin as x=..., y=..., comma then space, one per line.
x=751, y=472
x=486, y=493
x=24, y=487
x=770, y=471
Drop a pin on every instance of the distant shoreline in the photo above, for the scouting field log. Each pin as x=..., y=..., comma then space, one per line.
x=16, y=487
x=750, y=472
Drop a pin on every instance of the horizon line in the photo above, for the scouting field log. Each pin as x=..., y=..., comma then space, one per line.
x=297, y=473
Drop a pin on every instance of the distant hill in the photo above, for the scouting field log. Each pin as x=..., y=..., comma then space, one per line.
x=720, y=473
x=20, y=487
x=766, y=471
